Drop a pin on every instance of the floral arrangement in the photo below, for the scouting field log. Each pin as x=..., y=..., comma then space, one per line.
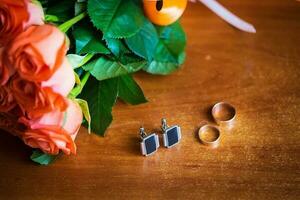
x=66, y=62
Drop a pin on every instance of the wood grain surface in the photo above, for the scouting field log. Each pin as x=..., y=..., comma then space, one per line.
x=258, y=159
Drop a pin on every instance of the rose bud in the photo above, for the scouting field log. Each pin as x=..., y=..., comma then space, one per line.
x=54, y=131
x=16, y=16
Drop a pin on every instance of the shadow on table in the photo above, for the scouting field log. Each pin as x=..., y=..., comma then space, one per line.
x=208, y=114
x=133, y=145
x=13, y=150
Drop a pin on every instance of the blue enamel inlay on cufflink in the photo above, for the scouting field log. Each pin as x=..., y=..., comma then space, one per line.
x=172, y=136
x=149, y=144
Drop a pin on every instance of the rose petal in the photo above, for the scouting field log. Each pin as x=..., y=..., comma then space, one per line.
x=63, y=80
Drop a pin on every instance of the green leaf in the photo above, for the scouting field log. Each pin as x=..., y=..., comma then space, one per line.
x=51, y=19
x=62, y=9
x=144, y=42
x=88, y=41
x=80, y=7
x=117, y=18
x=44, y=2
x=169, y=53
x=116, y=46
x=103, y=68
x=172, y=43
x=41, y=158
x=101, y=97
x=130, y=58
x=86, y=112
x=130, y=91
x=161, y=68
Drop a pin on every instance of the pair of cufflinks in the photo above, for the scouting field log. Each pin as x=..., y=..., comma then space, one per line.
x=150, y=143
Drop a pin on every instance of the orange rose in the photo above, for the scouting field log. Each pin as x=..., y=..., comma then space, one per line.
x=54, y=131
x=38, y=98
x=38, y=52
x=34, y=99
x=7, y=100
x=16, y=16
x=5, y=69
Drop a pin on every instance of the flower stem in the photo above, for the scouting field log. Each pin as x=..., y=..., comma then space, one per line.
x=68, y=24
x=86, y=59
x=78, y=89
x=85, y=79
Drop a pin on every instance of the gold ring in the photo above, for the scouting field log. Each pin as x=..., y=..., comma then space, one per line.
x=224, y=114
x=209, y=135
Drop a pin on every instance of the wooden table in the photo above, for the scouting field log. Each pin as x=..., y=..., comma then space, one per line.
x=259, y=159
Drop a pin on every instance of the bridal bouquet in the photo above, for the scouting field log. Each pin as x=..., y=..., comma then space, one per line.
x=66, y=62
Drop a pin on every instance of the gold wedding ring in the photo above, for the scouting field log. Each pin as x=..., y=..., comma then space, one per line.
x=209, y=135
x=224, y=114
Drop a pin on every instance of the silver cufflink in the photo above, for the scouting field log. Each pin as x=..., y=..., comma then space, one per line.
x=171, y=135
x=149, y=143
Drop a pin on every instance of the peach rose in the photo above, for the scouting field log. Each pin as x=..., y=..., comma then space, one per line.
x=54, y=131
x=7, y=100
x=39, y=98
x=38, y=52
x=63, y=80
x=16, y=16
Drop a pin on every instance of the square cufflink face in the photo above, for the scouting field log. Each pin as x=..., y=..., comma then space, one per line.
x=149, y=145
x=172, y=136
